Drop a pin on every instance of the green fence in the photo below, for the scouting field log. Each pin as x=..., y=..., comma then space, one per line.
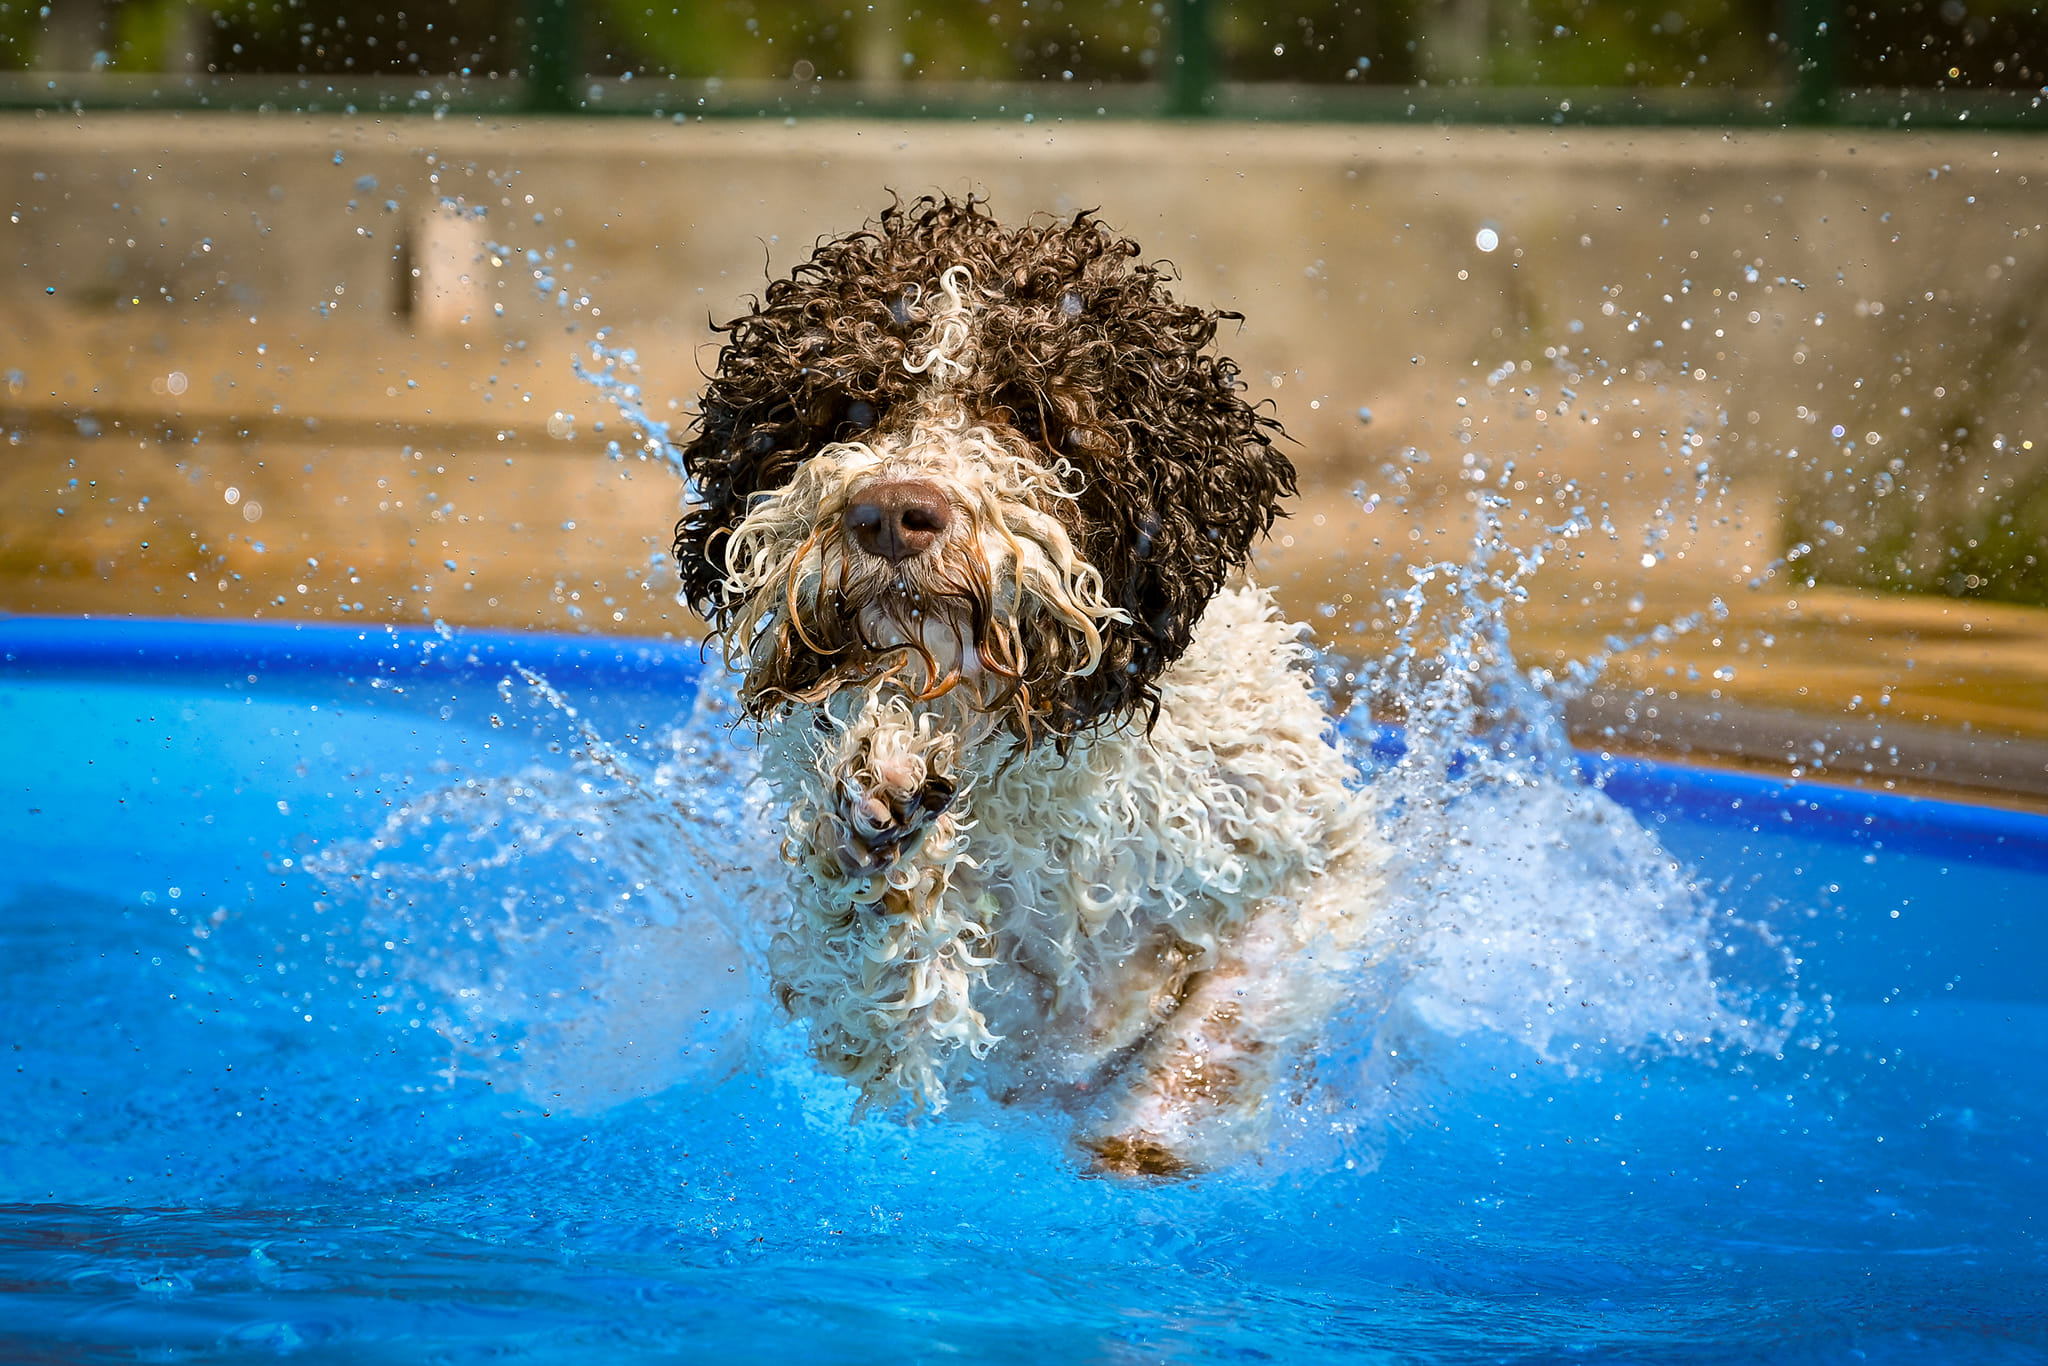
x=1743, y=63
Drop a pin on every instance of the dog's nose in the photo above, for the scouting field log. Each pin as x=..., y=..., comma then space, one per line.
x=897, y=519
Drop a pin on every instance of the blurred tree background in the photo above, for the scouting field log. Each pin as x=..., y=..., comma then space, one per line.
x=1974, y=44
x=1958, y=502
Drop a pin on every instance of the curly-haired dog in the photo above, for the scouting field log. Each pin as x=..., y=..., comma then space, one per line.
x=966, y=503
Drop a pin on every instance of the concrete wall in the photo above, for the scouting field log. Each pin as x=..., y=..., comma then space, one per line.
x=1351, y=251
x=210, y=302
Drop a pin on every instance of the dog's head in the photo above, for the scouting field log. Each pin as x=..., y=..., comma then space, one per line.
x=991, y=461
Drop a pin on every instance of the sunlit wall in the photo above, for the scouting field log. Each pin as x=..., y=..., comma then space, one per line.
x=302, y=291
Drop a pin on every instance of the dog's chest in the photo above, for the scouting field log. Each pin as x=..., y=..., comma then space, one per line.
x=1228, y=800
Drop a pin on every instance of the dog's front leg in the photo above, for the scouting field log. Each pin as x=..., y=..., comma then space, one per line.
x=1195, y=1090
x=880, y=953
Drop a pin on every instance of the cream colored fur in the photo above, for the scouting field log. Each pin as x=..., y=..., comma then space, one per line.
x=1140, y=930
x=1137, y=931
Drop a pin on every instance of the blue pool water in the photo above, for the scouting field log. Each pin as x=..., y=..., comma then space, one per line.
x=361, y=1003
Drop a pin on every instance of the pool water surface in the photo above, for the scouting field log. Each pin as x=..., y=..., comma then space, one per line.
x=380, y=995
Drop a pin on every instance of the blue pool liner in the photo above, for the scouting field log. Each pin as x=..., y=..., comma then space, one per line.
x=304, y=652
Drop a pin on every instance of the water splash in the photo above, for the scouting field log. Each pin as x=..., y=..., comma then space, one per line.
x=1535, y=922
x=613, y=371
x=570, y=931
x=580, y=940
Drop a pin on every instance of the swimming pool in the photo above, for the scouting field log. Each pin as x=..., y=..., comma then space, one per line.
x=378, y=994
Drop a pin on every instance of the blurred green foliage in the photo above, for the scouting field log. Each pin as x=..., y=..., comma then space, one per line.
x=1534, y=42
x=1952, y=494
x=20, y=27
x=1976, y=44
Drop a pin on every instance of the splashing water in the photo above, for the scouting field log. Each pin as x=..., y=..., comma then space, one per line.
x=1534, y=921
x=592, y=938
x=1532, y=906
x=578, y=940
x=613, y=371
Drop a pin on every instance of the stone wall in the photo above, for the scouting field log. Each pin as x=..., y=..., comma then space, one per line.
x=212, y=302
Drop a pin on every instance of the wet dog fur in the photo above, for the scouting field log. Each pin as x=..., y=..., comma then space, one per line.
x=971, y=510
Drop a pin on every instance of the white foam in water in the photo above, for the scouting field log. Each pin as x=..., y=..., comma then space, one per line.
x=1533, y=916
x=580, y=940
x=1546, y=915
x=569, y=931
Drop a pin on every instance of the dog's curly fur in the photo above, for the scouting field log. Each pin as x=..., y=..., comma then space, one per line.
x=1083, y=355
x=1058, y=797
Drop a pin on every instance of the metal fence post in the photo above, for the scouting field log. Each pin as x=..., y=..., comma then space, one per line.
x=1189, y=92
x=554, y=29
x=1814, y=28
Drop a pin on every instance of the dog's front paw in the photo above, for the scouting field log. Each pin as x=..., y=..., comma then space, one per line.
x=884, y=819
x=1134, y=1154
x=890, y=794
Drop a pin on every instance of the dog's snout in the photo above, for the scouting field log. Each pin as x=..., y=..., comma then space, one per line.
x=897, y=519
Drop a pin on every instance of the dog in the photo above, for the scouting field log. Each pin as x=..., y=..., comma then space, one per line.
x=971, y=514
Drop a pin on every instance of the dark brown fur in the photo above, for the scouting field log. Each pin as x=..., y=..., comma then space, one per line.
x=1085, y=354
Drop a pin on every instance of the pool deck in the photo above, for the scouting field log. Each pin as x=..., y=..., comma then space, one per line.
x=1890, y=689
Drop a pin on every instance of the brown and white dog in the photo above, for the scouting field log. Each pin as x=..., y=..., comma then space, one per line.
x=968, y=504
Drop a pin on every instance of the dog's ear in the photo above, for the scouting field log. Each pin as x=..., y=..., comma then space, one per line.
x=1179, y=479
x=809, y=364
x=742, y=445
x=1090, y=357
